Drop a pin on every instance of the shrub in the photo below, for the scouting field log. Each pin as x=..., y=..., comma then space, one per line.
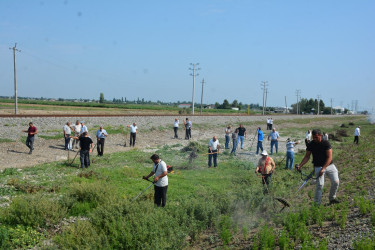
x=225, y=225
x=24, y=237
x=34, y=211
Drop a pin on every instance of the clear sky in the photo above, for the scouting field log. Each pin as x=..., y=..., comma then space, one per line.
x=77, y=49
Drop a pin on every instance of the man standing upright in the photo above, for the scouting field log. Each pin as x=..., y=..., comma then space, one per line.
x=67, y=132
x=213, y=150
x=274, y=140
x=133, y=133
x=228, y=133
x=271, y=123
x=83, y=128
x=260, y=140
x=101, y=134
x=268, y=123
x=357, y=133
x=175, y=127
x=266, y=166
x=307, y=137
x=188, y=126
x=241, y=134
x=31, y=132
x=159, y=169
x=290, y=153
x=323, y=164
x=86, y=145
x=77, y=129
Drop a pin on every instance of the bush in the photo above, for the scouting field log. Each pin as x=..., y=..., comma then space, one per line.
x=34, y=211
x=24, y=237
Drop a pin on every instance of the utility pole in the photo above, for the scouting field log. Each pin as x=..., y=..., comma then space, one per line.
x=331, y=106
x=298, y=93
x=193, y=75
x=264, y=92
x=202, y=95
x=318, y=104
x=15, y=78
x=286, y=107
x=356, y=106
x=265, y=102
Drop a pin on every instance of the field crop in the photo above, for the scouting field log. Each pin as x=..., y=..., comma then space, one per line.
x=59, y=206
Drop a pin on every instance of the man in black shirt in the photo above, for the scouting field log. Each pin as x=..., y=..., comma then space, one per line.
x=86, y=147
x=323, y=164
x=241, y=134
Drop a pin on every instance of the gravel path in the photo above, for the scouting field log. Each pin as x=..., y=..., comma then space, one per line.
x=153, y=132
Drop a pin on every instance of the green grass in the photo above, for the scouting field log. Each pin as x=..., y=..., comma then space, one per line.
x=200, y=200
x=5, y=140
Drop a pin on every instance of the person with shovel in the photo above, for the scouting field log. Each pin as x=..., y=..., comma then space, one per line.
x=159, y=169
x=323, y=164
x=213, y=150
x=31, y=132
x=266, y=166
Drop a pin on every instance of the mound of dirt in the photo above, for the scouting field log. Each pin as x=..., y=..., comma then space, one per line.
x=342, y=132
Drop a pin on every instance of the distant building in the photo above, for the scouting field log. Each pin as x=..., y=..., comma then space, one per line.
x=184, y=105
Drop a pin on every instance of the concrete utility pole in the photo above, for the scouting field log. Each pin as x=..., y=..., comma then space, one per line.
x=331, y=106
x=193, y=75
x=298, y=93
x=202, y=95
x=286, y=107
x=356, y=106
x=264, y=84
x=15, y=78
x=265, y=102
x=318, y=104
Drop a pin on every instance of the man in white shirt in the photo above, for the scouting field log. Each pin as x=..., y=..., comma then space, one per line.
x=188, y=124
x=213, y=150
x=271, y=123
x=175, y=127
x=77, y=130
x=307, y=137
x=274, y=135
x=67, y=132
x=159, y=169
x=290, y=153
x=133, y=133
x=357, y=133
x=83, y=128
x=101, y=134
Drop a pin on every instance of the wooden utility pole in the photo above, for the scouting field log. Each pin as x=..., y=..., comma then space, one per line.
x=15, y=78
x=202, y=95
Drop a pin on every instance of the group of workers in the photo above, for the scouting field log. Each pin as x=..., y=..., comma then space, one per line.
x=317, y=145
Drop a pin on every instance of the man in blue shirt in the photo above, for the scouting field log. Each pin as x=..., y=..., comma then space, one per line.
x=274, y=140
x=260, y=140
x=101, y=134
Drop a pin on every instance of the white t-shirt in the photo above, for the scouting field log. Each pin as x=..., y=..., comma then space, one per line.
x=308, y=136
x=357, y=132
x=176, y=123
x=162, y=167
x=271, y=121
x=213, y=144
x=228, y=131
x=67, y=130
x=77, y=128
x=133, y=129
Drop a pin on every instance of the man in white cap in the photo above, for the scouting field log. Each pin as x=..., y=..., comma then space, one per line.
x=266, y=166
x=357, y=133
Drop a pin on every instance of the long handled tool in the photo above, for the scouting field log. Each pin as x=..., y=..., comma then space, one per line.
x=75, y=157
x=152, y=183
x=308, y=177
x=284, y=202
x=253, y=139
x=126, y=135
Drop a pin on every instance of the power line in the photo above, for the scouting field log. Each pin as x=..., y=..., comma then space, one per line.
x=194, y=75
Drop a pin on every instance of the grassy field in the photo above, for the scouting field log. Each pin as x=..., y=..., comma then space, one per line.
x=57, y=205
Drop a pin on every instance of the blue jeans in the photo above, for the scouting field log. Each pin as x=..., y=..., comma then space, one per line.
x=259, y=146
x=276, y=143
x=241, y=138
x=214, y=156
x=227, y=140
x=289, y=160
x=234, y=146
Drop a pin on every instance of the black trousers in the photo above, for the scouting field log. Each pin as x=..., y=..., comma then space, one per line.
x=160, y=197
x=100, y=146
x=188, y=133
x=356, y=139
x=175, y=129
x=132, y=139
x=67, y=140
x=84, y=156
x=214, y=156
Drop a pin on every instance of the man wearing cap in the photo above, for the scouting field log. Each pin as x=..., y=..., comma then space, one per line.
x=83, y=128
x=266, y=166
x=274, y=140
x=323, y=164
x=133, y=133
x=213, y=150
x=290, y=153
x=357, y=133
x=260, y=140
x=31, y=132
x=101, y=134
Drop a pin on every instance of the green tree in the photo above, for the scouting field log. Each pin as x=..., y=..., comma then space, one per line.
x=101, y=99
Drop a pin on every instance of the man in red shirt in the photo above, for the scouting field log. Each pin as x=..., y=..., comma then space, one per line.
x=31, y=131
